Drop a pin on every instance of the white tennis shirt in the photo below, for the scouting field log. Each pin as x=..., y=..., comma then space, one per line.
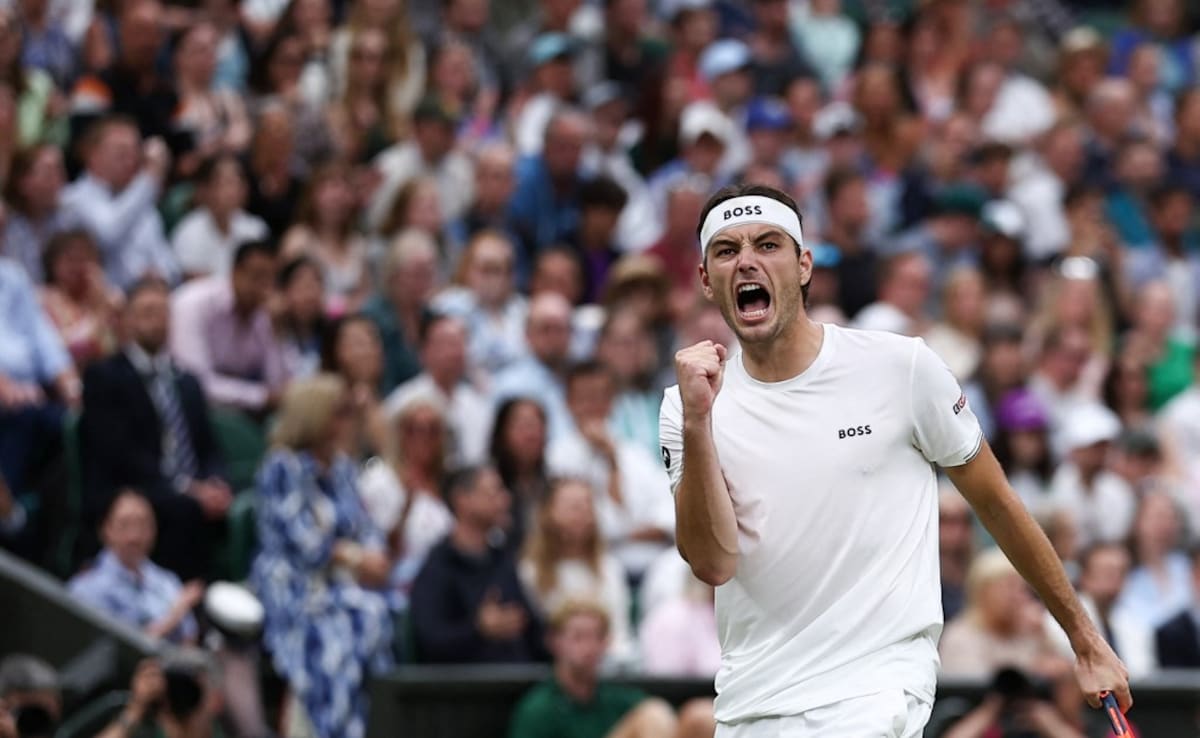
x=837, y=592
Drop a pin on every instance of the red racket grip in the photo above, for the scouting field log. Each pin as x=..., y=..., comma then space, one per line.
x=1115, y=718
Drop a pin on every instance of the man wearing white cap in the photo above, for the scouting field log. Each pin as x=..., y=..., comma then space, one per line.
x=1099, y=500
x=802, y=469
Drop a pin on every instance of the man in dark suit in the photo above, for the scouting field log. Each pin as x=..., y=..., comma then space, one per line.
x=1178, y=639
x=145, y=425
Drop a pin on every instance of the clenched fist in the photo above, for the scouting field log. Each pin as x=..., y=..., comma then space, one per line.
x=700, y=369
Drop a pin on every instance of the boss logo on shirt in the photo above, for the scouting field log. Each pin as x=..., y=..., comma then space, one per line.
x=739, y=211
x=858, y=430
x=962, y=402
x=666, y=457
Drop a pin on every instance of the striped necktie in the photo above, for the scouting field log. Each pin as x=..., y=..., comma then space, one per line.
x=179, y=458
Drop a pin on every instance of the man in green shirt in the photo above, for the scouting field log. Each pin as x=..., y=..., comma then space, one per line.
x=575, y=704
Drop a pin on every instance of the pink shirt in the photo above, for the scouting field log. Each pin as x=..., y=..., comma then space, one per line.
x=679, y=638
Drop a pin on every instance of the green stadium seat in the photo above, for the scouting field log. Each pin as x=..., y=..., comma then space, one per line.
x=242, y=535
x=242, y=443
x=93, y=717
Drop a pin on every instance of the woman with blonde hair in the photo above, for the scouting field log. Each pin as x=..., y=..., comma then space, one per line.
x=565, y=558
x=319, y=559
x=402, y=491
x=404, y=67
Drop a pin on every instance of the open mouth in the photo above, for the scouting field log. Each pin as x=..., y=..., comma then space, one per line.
x=753, y=300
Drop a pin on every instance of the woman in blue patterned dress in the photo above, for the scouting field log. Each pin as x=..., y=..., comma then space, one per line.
x=319, y=562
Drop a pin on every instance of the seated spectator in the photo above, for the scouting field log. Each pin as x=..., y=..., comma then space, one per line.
x=299, y=316
x=124, y=583
x=1155, y=339
x=1102, y=503
x=32, y=192
x=325, y=231
x=319, y=558
x=276, y=79
x=678, y=249
x=206, y=238
x=957, y=337
x=679, y=637
x=636, y=519
x=565, y=558
x=905, y=280
x=146, y=425
x=600, y=204
x=78, y=298
x=1177, y=640
x=179, y=695
x=221, y=330
x=468, y=605
x=114, y=199
x=1022, y=447
x=576, y=702
x=32, y=358
x=468, y=411
x=402, y=491
x=539, y=375
x=31, y=689
x=518, y=450
x=275, y=183
x=1172, y=210
x=1059, y=379
x=1001, y=625
x=351, y=349
x=1160, y=583
x=1104, y=568
x=418, y=207
x=956, y=547
x=494, y=178
x=407, y=283
x=214, y=117
x=484, y=296
x=626, y=347
x=1179, y=422
x=46, y=44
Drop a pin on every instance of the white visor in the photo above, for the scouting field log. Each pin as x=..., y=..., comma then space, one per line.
x=750, y=209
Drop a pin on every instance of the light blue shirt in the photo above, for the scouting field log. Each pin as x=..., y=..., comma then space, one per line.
x=531, y=378
x=30, y=348
x=139, y=598
x=1144, y=599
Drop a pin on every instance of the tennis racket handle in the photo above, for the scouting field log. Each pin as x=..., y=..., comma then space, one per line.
x=1115, y=718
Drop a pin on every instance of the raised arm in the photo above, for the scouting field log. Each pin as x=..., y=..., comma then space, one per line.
x=705, y=524
x=983, y=484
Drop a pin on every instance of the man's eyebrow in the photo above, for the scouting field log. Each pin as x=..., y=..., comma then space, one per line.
x=772, y=233
x=723, y=240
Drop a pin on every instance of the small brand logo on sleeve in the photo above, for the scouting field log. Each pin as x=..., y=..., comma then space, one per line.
x=666, y=457
x=962, y=402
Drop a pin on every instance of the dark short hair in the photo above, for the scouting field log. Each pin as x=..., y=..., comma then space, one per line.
x=119, y=495
x=586, y=369
x=460, y=480
x=59, y=243
x=333, y=334
x=249, y=248
x=292, y=269
x=430, y=320
x=146, y=284
x=602, y=192
x=838, y=180
x=1090, y=551
x=746, y=190
x=207, y=171
x=1081, y=191
x=1164, y=193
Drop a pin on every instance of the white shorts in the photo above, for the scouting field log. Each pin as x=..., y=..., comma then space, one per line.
x=892, y=713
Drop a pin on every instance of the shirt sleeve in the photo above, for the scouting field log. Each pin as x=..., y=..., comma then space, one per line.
x=670, y=436
x=51, y=354
x=944, y=428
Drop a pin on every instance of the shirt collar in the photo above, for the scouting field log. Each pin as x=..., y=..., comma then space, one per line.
x=108, y=561
x=145, y=363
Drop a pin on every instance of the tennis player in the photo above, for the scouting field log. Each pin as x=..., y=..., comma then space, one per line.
x=805, y=490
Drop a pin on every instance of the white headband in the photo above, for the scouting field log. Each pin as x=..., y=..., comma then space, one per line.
x=750, y=209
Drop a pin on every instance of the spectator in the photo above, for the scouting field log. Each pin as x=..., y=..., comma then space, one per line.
x=125, y=584
x=145, y=425
x=550, y=84
x=678, y=636
x=31, y=688
x=325, y=231
x=278, y=80
x=1101, y=502
x=32, y=194
x=418, y=208
x=32, y=358
x=636, y=522
x=1039, y=186
x=1183, y=157
x=540, y=374
x=1180, y=421
x=626, y=348
x=1058, y=380
x=545, y=205
x=402, y=492
x=904, y=285
x=469, y=413
x=77, y=297
x=575, y=701
x=1175, y=250
x=319, y=558
x=1137, y=168
x=565, y=558
x=848, y=217
x=299, y=316
x=467, y=604
x=678, y=250
x=600, y=203
x=494, y=187
x=430, y=153
x=957, y=337
x=1126, y=391
x=1001, y=625
x=1105, y=567
x=956, y=547
x=1023, y=108
x=705, y=137
x=484, y=297
x=177, y=696
x=214, y=119
x=632, y=52
x=351, y=349
x=1164, y=25
x=407, y=283
x=1005, y=231
x=1022, y=446
x=221, y=331
x=728, y=66
x=275, y=186
x=518, y=450
x=206, y=238
x=1177, y=638
x=45, y=44
x=1160, y=583
x=610, y=155
x=114, y=198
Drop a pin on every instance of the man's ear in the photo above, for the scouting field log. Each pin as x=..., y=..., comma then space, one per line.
x=705, y=284
x=806, y=266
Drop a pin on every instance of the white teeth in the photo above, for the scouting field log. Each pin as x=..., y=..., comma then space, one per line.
x=748, y=287
x=755, y=313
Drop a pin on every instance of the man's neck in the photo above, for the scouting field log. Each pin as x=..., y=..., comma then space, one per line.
x=579, y=687
x=445, y=382
x=468, y=539
x=787, y=355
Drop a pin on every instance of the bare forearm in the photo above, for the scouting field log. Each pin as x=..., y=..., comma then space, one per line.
x=706, y=527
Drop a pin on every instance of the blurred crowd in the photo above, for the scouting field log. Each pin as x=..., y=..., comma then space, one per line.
x=384, y=294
